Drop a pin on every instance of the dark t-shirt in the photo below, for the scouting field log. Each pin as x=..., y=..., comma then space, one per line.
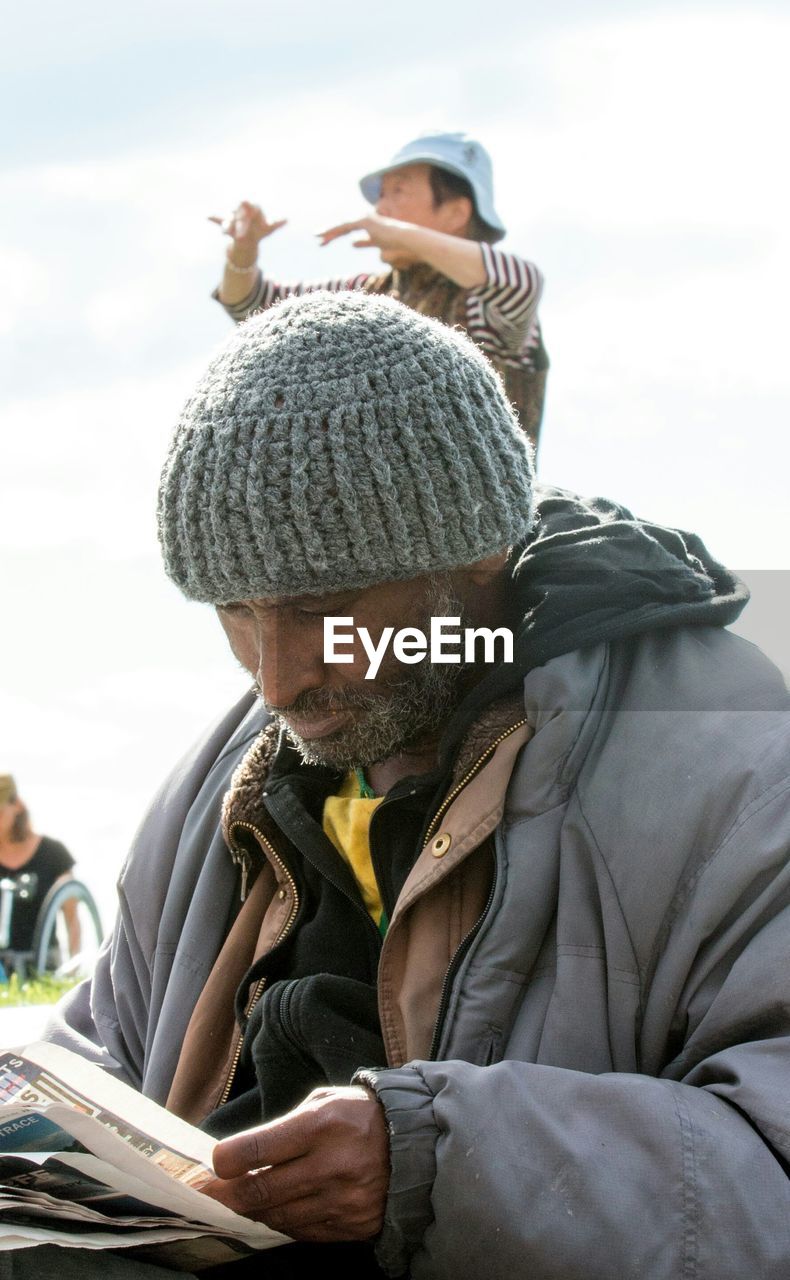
x=50, y=861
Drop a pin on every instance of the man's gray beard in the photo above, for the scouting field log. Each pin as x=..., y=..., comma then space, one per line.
x=413, y=708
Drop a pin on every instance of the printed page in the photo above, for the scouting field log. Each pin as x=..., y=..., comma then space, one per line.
x=77, y=1186
x=32, y=1215
x=48, y=1073
x=188, y=1254
x=52, y=1101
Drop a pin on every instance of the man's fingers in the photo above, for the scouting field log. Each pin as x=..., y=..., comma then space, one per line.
x=275, y=1143
x=300, y=1215
x=267, y=1188
x=248, y=1195
x=287, y=1208
x=363, y=244
x=212, y=217
x=308, y=1219
x=243, y=1195
x=239, y=1154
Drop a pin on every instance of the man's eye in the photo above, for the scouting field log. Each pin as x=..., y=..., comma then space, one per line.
x=325, y=609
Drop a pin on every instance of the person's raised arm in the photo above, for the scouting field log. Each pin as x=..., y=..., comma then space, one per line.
x=245, y=227
x=459, y=259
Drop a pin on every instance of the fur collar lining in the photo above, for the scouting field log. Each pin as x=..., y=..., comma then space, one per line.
x=243, y=802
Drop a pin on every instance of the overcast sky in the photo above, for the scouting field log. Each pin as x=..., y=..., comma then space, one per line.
x=639, y=159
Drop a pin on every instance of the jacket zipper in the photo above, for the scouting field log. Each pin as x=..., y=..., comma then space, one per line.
x=453, y=968
x=244, y=859
x=440, y=812
x=466, y=941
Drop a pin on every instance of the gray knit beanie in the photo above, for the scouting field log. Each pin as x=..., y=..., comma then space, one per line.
x=336, y=441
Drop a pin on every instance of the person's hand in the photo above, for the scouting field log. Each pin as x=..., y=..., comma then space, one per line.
x=319, y=1173
x=387, y=234
x=246, y=226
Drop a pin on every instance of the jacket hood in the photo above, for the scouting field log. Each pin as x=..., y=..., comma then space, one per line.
x=591, y=572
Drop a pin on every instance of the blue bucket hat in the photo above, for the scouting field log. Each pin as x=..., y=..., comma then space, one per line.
x=455, y=152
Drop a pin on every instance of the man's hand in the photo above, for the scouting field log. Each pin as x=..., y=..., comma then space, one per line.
x=386, y=234
x=319, y=1173
x=246, y=226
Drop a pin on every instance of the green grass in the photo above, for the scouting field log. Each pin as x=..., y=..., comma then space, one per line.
x=43, y=989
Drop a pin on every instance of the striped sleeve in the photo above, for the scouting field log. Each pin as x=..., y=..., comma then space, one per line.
x=264, y=292
x=502, y=313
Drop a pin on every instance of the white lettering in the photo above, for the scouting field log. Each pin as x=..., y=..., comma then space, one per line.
x=439, y=640
x=331, y=639
x=410, y=645
x=375, y=652
x=489, y=638
x=23, y=1122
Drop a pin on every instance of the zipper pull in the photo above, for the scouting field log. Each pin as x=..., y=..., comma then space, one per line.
x=244, y=862
x=245, y=871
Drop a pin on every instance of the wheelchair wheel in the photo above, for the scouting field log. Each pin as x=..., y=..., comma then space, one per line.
x=68, y=931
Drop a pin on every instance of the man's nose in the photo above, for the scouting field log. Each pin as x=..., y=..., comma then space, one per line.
x=383, y=208
x=288, y=664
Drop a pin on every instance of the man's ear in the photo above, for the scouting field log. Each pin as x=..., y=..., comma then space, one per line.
x=483, y=572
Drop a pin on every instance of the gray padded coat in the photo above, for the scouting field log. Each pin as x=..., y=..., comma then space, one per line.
x=610, y=1098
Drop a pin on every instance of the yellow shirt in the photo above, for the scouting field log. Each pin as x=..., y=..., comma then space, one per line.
x=346, y=821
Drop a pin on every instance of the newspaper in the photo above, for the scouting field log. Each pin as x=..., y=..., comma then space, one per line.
x=87, y=1162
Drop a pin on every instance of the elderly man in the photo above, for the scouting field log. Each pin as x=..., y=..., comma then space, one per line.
x=435, y=226
x=477, y=967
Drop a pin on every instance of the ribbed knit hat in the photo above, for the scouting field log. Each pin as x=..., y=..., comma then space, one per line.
x=337, y=441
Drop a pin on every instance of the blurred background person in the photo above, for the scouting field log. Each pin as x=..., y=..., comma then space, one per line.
x=32, y=864
x=435, y=226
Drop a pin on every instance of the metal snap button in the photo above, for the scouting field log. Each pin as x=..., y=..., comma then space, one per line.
x=281, y=894
x=441, y=844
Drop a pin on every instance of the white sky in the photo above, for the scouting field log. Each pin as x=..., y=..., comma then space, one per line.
x=638, y=153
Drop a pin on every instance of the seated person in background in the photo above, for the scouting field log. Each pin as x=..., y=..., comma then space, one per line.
x=435, y=226
x=24, y=852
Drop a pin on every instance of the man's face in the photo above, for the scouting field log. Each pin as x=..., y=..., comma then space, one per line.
x=406, y=195
x=333, y=714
